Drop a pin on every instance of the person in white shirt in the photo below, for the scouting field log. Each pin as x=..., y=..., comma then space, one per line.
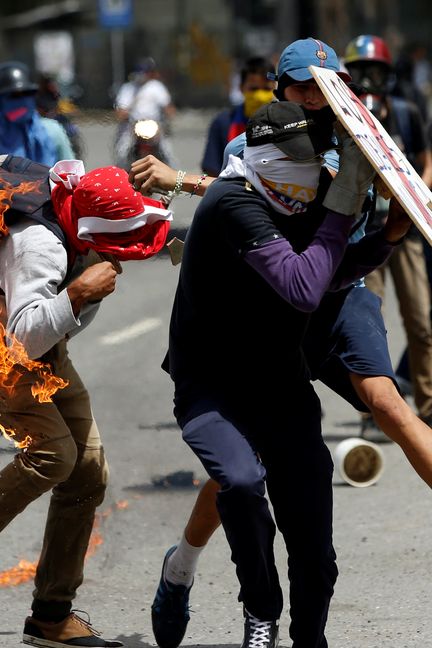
x=144, y=96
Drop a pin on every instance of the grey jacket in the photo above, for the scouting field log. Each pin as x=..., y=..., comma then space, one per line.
x=33, y=267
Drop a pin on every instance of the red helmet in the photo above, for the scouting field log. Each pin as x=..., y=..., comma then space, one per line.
x=367, y=49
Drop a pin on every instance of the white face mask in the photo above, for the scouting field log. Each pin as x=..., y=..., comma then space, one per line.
x=292, y=185
x=287, y=185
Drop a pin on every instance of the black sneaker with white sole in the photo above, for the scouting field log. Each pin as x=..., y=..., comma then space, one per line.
x=259, y=634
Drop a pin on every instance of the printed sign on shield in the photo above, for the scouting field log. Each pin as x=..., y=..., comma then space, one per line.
x=398, y=174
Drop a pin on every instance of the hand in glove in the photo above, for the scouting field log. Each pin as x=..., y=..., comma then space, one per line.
x=349, y=188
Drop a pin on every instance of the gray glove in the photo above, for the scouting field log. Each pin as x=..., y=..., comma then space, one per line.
x=349, y=188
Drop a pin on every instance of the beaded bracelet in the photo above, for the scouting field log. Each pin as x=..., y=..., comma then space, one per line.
x=198, y=184
x=179, y=182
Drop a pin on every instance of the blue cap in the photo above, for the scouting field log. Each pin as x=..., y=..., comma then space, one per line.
x=296, y=58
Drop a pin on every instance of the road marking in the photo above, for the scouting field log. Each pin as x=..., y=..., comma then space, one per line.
x=131, y=332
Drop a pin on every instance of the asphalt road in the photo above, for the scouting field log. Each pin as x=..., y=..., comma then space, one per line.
x=382, y=533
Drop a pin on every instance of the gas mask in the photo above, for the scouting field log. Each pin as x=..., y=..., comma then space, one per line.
x=375, y=104
x=373, y=76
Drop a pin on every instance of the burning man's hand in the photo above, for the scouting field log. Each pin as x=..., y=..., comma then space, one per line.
x=92, y=285
x=398, y=222
x=151, y=175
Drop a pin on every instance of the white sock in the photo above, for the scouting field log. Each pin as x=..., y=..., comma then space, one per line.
x=181, y=565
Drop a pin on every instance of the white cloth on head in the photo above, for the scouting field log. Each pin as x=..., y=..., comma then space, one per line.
x=73, y=170
x=89, y=225
x=289, y=186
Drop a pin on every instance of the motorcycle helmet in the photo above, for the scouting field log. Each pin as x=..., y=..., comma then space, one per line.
x=146, y=65
x=368, y=60
x=15, y=77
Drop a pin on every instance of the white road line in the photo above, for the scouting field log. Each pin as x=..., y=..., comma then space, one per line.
x=131, y=332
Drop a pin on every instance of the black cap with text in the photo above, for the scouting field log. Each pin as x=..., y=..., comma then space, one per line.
x=299, y=133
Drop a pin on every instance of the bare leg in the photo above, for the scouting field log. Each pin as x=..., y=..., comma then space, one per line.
x=398, y=421
x=204, y=519
x=202, y=523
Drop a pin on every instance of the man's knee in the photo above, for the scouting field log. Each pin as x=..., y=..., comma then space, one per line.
x=88, y=481
x=245, y=482
x=51, y=463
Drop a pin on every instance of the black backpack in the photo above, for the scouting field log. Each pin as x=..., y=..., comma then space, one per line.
x=37, y=204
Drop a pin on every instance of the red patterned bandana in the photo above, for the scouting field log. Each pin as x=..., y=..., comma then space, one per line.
x=100, y=210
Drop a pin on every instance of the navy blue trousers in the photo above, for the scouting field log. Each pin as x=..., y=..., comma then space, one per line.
x=283, y=447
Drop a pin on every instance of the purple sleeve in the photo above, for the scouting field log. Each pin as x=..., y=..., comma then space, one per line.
x=302, y=279
x=361, y=258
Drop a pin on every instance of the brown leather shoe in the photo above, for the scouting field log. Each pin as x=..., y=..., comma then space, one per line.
x=72, y=631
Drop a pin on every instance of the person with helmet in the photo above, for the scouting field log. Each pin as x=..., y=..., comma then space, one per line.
x=368, y=60
x=345, y=346
x=23, y=131
x=143, y=96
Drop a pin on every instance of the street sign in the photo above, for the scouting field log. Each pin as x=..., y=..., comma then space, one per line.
x=397, y=173
x=115, y=13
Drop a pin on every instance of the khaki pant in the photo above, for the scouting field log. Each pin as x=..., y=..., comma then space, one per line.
x=66, y=456
x=408, y=269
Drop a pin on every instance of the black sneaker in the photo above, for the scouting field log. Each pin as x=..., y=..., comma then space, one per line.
x=72, y=631
x=170, y=610
x=259, y=634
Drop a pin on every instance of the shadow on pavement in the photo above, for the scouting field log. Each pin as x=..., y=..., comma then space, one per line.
x=134, y=641
x=221, y=645
x=168, y=425
x=339, y=437
x=211, y=646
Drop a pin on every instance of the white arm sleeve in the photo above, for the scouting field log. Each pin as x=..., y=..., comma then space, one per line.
x=33, y=264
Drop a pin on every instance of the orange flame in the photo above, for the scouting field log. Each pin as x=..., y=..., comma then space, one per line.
x=9, y=434
x=13, y=357
x=21, y=573
x=96, y=539
x=6, y=193
x=26, y=570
